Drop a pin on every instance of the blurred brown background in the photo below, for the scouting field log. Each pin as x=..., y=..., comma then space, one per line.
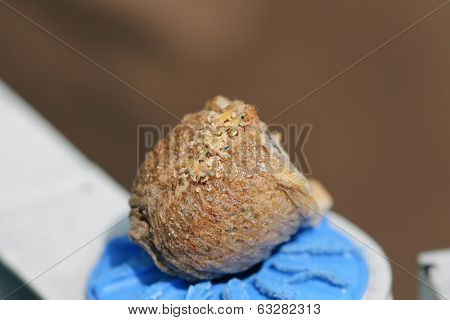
x=380, y=141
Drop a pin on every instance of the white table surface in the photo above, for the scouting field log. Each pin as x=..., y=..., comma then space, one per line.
x=434, y=269
x=52, y=201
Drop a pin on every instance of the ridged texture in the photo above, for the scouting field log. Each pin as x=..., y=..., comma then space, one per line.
x=318, y=263
x=217, y=195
